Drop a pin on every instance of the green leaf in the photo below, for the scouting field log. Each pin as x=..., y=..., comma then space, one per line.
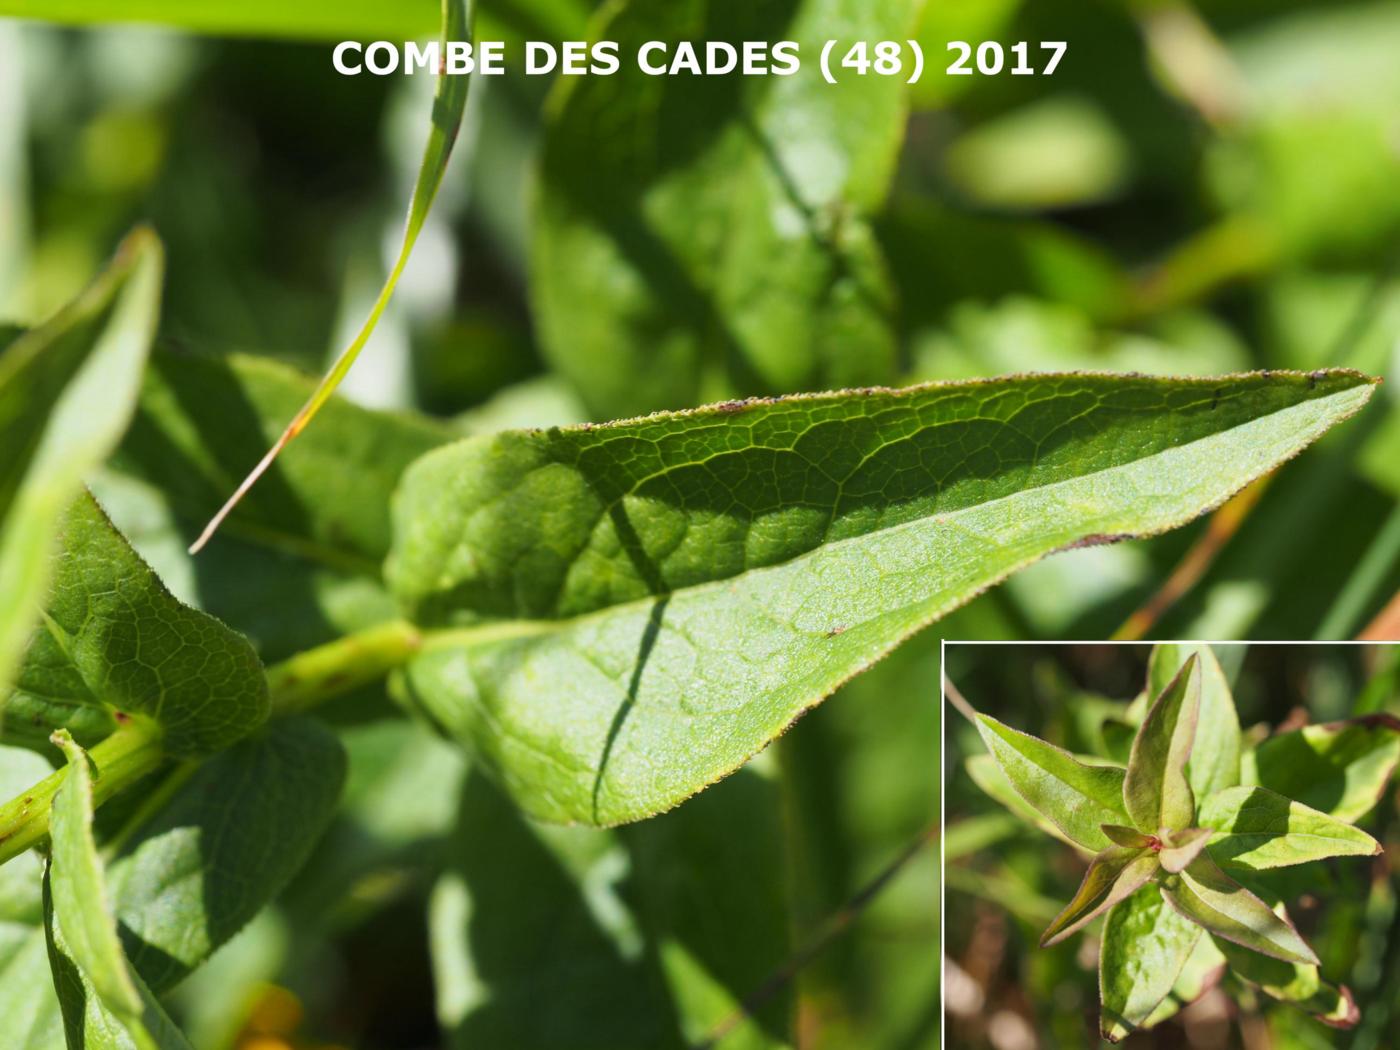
x=717, y=242
x=67, y=390
x=1077, y=798
x=707, y=576
x=1180, y=848
x=449, y=103
x=1215, y=757
x=986, y=773
x=28, y=1002
x=299, y=560
x=1156, y=793
x=225, y=846
x=1341, y=768
x=1256, y=828
x=1114, y=874
x=1145, y=946
x=79, y=889
x=1207, y=896
x=90, y=1023
x=1203, y=970
x=617, y=931
x=1295, y=983
x=115, y=644
x=343, y=20
x=103, y=1003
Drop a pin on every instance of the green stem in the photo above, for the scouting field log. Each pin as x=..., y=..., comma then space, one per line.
x=126, y=756
x=310, y=678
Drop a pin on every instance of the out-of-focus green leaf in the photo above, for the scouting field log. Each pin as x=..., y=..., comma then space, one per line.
x=1207, y=896
x=1156, y=793
x=116, y=644
x=1295, y=983
x=224, y=847
x=1214, y=764
x=1256, y=828
x=1053, y=153
x=620, y=933
x=67, y=390
x=1340, y=768
x=716, y=243
x=104, y=1005
x=1077, y=798
x=969, y=20
x=314, y=19
x=28, y=1002
x=1145, y=945
x=1114, y=875
x=629, y=559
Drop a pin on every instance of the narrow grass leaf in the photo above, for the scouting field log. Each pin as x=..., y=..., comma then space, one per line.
x=1215, y=757
x=701, y=578
x=1256, y=828
x=448, y=106
x=1156, y=793
x=1145, y=947
x=67, y=391
x=1207, y=896
x=1077, y=798
x=1113, y=875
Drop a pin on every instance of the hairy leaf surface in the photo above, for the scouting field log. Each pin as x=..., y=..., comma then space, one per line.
x=986, y=773
x=67, y=390
x=1256, y=828
x=115, y=643
x=1215, y=756
x=716, y=243
x=1145, y=945
x=1156, y=793
x=1340, y=768
x=699, y=579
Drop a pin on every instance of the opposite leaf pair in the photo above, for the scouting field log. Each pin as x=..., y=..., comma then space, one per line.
x=1169, y=828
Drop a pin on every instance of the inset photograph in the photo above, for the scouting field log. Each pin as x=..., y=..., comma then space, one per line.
x=1179, y=845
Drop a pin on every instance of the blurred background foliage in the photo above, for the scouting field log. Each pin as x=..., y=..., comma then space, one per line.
x=1198, y=189
x=1006, y=880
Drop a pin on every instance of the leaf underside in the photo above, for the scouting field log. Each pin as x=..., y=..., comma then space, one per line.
x=1156, y=792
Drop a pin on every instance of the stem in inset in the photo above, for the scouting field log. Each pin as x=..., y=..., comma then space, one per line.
x=126, y=756
x=310, y=678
